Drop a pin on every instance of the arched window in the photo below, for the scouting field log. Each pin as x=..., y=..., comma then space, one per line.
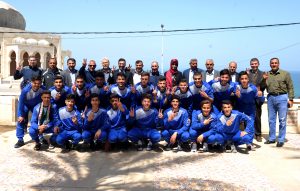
x=47, y=57
x=12, y=63
x=38, y=59
x=25, y=59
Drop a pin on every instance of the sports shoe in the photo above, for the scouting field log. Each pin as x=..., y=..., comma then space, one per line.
x=258, y=138
x=233, y=148
x=178, y=148
x=205, y=147
x=140, y=145
x=19, y=144
x=249, y=147
x=194, y=147
x=44, y=141
x=37, y=146
x=269, y=142
x=149, y=146
x=279, y=144
x=168, y=147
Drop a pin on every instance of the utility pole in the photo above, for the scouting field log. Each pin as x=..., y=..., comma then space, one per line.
x=162, y=49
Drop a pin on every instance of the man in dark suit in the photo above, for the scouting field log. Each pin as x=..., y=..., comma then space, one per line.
x=210, y=73
x=125, y=70
x=232, y=66
x=69, y=75
x=188, y=73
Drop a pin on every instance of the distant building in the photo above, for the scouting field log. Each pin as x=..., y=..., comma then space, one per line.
x=15, y=48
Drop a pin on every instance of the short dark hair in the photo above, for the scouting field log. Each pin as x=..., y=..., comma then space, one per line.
x=243, y=73
x=93, y=95
x=58, y=77
x=138, y=61
x=197, y=74
x=206, y=101
x=226, y=102
x=79, y=77
x=145, y=74
x=183, y=80
x=254, y=60
x=175, y=97
x=99, y=74
x=35, y=78
x=162, y=78
x=224, y=72
x=70, y=96
x=71, y=59
x=113, y=95
x=46, y=92
x=121, y=59
x=146, y=96
x=274, y=58
x=121, y=74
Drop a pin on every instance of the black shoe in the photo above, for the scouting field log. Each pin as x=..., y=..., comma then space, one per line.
x=168, y=147
x=68, y=146
x=258, y=138
x=37, y=146
x=149, y=146
x=44, y=141
x=279, y=144
x=140, y=145
x=269, y=142
x=249, y=147
x=19, y=144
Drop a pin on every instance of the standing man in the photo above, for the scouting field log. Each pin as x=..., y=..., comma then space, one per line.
x=232, y=66
x=50, y=73
x=107, y=71
x=28, y=72
x=125, y=70
x=281, y=94
x=256, y=77
x=189, y=73
x=210, y=73
x=154, y=74
x=138, y=71
x=90, y=73
x=69, y=75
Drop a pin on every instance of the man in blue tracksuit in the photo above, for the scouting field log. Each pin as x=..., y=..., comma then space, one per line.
x=143, y=87
x=59, y=92
x=80, y=90
x=96, y=123
x=43, y=120
x=228, y=125
x=118, y=115
x=203, y=127
x=145, y=120
x=201, y=90
x=161, y=94
x=29, y=98
x=176, y=124
x=70, y=124
x=185, y=96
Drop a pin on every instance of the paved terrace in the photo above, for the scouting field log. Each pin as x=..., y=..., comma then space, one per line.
x=266, y=168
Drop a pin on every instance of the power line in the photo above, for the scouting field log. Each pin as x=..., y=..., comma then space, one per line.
x=165, y=31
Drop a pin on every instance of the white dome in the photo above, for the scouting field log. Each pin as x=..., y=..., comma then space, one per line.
x=31, y=41
x=10, y=17
x=19, y=40
x=43, y=42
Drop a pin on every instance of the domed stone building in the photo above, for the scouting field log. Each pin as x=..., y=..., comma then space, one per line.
x=16, y=45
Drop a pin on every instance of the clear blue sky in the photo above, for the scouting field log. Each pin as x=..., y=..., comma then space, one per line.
x=113, y=15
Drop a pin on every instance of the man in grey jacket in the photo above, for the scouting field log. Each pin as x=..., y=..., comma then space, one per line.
x=69, y=75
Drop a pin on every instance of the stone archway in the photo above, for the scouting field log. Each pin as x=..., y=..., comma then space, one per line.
x=38, y=59
x=25, y=58
x=13, y=63
x=47, y=58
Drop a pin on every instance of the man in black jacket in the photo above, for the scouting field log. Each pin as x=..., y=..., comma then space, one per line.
x=50, y=73
x=107, y=71
x=90, y=73
x=125, y=70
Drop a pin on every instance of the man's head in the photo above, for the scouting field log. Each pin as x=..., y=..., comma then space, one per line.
x=80, y=82
x=209, y=64
x=122, y=63
x=274, y=64
x=254, y=64
x=205, y=107
x=145, y=76
x=139, y=65
x=146, y=101
x=175, y=101
x=183, y=86
x=193, y=64
x=224, y=76
x=70, y=102
x=95, y=101
x=58, y=82
x=46, y=97
x=226, y=107
x=36, y=83
x=32, y=61
x=232, y=66
x=197, y=79
x=162, y=84
x=154, y=66
x=92, y=65
x=71, y=62
x=105, y=63
x=99, y=79
x=174, y=64
x=121, y=80
x=244, y=79
x=114, y=99
x=52, y=63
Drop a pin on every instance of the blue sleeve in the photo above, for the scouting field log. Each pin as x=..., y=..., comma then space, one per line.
x=21, y=104
x=79, y=121
x=34, y=118
x=18, y=74
x=219, y=126
x=158, y=121
x=131, y=120
x=210, y=93
x=106, y=122
x=186, y=123
x=211, y=130
x=166, y=122
x=54, y=122
x=196, y=124
x=249, y=123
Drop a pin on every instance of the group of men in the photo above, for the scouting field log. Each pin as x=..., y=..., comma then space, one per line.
x=188, y=110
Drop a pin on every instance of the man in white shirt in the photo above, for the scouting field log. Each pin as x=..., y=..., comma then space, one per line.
x=210, y=73
x=232, y=66
x=138, y=71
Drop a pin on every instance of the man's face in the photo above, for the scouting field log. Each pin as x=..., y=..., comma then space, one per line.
x=175, y=103
x=95, y=102
x=183, y=87
x=146, y=103
x=254, y=65
x=209, y=65
x=71, y=65
x=244, y=79
x=32, y=62
x=58, y=84
x=70, y=104
x=194, y=65
x=92, y=65
x=274, y=64
x=122, y=65
x=139, y=66
x=232, y=67
x=105, y=64
x=227, y=108
x=206, y=108
x=35, y=85
x=52, y=64
x=162, y=85
x=114, y=103
x=198, y=80
x=154, y=67
x=144, y=80
x=121, y=82
x=224, y=79
x=99, y=81
x=80, y=83
x=46, y=99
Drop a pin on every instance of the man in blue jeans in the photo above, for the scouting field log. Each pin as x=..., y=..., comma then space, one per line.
x=280, y=96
